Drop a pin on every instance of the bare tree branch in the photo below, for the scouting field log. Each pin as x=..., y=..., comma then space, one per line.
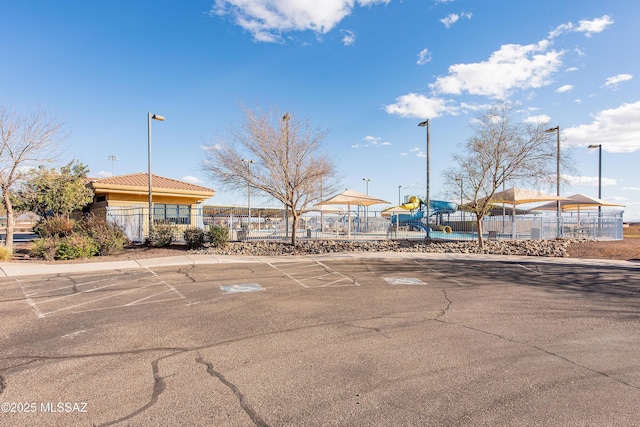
x=289, y=165
x=28, y=140
x=501, y=151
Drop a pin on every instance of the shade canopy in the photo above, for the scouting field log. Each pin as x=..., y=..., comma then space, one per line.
x=519, y=196
x=350, y=197
x=393, y=211
x=577, y=202
x=325, y=209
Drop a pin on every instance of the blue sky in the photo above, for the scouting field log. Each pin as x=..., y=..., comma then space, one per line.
x=368, y=70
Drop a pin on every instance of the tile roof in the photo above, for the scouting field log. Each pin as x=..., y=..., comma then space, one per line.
x=142, y=180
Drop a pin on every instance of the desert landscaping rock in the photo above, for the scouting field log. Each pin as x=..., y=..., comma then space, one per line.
x=544, y=248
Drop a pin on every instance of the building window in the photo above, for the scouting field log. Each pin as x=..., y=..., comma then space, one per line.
x=101, y=198
x=174, y=214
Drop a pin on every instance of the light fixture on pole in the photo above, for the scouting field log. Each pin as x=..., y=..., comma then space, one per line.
x=599, y=147
x=557, y=131
x=159, y=118
x=366, y=180
x=426, y=124
x=113, y=159
x=248, y=192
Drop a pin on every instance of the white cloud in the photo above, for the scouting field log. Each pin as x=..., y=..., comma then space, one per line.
x=542, y=118
x=371, y=139
x=191, y=179
x=597, y=25
x=614, y=80
x=588, y=180
x=513, y=66
x=267, y=20
x=414, y=105
x=589, y=27
x=452, y=18
x=571, y=69
x=617, y=129
x=104, y=174
x=349, y=37
x=564, y=88
x=631, y=188
x=424, y=56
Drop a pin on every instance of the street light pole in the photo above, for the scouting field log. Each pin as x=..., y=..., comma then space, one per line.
x=366, y=180
x=557, y=131
x=599, y=147
x=426, y=124
x=248, y=193
x=113, y=159
x=286, y=119
x=460, y=181
x=366, y=219
x=159, y=118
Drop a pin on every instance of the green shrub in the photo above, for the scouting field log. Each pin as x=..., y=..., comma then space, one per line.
x=73, y=247
x=55, y=226
x=162, y=234
x=5, y=253
x=194, y=238
x=218, y=236
x=109, y=236
x=45, y=248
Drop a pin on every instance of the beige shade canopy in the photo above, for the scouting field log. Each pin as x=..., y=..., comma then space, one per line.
x=577, y=202
x=394, y=211
x=325, y=209
x=519, y=196
x=350, y=197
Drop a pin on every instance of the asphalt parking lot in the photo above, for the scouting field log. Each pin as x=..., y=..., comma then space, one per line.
x=342, y=341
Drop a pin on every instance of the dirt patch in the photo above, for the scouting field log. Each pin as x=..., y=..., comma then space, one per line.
x=627, y=249
x=133, y=252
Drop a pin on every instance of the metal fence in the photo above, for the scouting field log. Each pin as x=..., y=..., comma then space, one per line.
x=269, y=223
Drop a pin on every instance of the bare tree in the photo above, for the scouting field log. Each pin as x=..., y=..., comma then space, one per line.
x=286, y=160
x=500, y=150
x=28, y=140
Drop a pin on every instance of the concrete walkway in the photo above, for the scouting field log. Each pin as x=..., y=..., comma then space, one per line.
x=33, y=269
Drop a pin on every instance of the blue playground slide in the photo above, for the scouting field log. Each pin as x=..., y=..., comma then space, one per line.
x=436, y=207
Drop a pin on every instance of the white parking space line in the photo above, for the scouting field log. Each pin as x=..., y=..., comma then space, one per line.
x=313, y=274
x=66, y=295
x=404, y=281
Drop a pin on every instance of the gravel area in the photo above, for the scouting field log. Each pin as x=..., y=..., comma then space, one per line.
x=546, y=248
x=627, y=249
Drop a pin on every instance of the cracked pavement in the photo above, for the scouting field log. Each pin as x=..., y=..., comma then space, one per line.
x=456, y=342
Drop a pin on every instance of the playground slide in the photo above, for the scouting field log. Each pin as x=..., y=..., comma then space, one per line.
x=436, y=207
